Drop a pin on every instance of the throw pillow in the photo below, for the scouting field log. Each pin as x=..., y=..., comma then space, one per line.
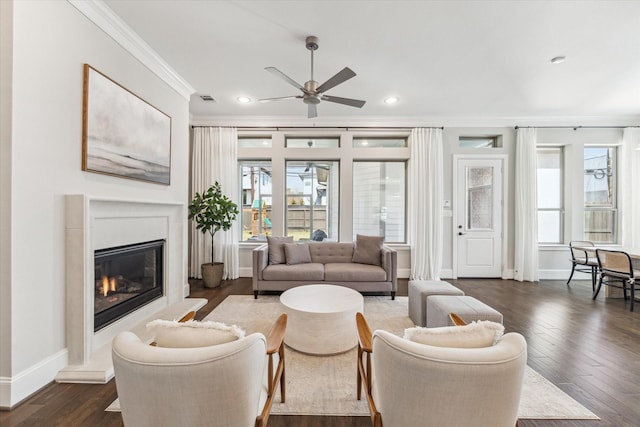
x=276, y=248
x=297, y=253
x=171, y=333
x=474, y=335
x=367, y=250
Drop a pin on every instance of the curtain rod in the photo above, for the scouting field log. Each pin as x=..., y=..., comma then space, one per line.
x=347, y=128
x=574, y=127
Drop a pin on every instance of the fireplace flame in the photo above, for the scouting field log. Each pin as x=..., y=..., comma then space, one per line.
x=105, y=285
x=112, y=284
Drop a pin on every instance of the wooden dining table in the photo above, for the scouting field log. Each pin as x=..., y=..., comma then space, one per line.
x=634, y=253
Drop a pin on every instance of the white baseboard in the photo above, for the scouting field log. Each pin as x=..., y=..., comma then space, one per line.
x=562, y=274
x=15, y=389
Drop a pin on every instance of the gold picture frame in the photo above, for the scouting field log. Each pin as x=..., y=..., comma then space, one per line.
x=122, y=134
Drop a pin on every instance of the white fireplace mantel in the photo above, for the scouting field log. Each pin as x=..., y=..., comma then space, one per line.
x=98, y=223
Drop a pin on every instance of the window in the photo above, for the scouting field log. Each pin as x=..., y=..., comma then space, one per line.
x=479, y=142
x=254, y=142
x=312, y=199
x=256, y=200
x=313, y=142
x=379, y=142
x=379, y=199
x=550, y=195
x=600, y=213
x=291, y=183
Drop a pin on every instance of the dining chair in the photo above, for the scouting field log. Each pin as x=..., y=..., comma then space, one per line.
x=583, y=259
x=616, y=270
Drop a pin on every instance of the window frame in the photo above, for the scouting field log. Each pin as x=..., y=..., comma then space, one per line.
x=345, y=154
x=562, y=183
x=405, y=164
x=615, y=226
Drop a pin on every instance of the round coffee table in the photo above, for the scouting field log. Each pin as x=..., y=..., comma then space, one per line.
x=321, y=318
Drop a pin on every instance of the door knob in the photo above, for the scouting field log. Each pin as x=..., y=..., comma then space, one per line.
x=460, y=233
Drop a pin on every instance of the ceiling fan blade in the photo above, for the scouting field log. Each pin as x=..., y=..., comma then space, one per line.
x=280, y=98
x=342, y=76
x=283, y=76
x=312, y=111
x=346, y=101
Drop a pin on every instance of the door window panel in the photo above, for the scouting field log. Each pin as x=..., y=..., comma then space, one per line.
x=479, y=187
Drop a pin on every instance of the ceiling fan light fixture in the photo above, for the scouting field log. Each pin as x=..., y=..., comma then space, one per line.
x=391, y=100
x=558, y=59
x=312, y=93
x=243, y=99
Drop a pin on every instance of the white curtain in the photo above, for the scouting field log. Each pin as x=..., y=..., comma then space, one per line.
x=526, y=191
x=215, y=158
x=425, y=203
x=630, y=177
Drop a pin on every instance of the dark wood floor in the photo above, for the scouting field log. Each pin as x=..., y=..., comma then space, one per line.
x=590, y=349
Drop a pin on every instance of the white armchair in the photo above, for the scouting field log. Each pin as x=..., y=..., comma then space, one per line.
x=231, y=384
x=410, y=384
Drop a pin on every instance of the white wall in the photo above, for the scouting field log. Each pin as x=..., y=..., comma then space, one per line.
x=6, y=52
x=52, y=40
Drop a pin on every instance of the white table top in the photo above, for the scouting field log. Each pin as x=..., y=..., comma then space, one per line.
x=321, y=298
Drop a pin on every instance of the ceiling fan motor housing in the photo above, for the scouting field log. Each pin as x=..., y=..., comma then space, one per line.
x=312, y=43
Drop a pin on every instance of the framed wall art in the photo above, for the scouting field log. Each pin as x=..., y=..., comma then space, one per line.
x=122, y=134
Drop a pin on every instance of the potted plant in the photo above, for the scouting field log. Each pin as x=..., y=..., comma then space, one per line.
x=212, y=211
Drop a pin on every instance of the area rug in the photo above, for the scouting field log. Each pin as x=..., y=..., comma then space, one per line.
x=320, y=385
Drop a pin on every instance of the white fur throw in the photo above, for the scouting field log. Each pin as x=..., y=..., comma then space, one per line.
x=482, y=333
x=171, y=333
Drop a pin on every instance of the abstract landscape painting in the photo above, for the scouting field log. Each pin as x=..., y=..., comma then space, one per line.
x=122, y=134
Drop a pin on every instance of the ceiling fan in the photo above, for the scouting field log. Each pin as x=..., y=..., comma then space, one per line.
x=312, y=93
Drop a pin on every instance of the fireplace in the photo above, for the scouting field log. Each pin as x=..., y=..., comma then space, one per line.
x=126, y=278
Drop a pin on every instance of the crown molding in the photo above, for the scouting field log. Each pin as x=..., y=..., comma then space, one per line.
x=105, y=19
x=431, y=121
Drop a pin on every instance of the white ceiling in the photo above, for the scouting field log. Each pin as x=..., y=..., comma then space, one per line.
x=448, y=61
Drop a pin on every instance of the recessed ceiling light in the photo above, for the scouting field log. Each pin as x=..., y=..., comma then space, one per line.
x=558, y=60
x=243, y=99
x=391, y=100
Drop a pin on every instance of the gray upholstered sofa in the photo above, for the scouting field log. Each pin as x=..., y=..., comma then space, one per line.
x=330, y=263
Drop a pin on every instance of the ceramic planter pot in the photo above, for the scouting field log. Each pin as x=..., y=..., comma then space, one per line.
x=212, y=274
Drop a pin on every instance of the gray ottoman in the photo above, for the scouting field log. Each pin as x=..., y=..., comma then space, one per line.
x=468, y=308
x=419, y=290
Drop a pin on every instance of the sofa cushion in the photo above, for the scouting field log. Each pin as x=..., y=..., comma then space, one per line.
x=190, y=334
x=310, y=271
x=367, y=249
x=353, y=272
x=276, y=248
x=327, y=252
x=297, y=253
x=474, y=335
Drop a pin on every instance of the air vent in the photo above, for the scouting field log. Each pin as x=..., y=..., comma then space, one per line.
x=207, y=98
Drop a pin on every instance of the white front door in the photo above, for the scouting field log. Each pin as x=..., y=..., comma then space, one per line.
x=478, y=219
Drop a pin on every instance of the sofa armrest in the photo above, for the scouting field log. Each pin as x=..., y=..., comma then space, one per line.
x=390, y=265
x=260, y=262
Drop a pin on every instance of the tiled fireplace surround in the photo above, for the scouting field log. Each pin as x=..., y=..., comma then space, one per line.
x=97, y=223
